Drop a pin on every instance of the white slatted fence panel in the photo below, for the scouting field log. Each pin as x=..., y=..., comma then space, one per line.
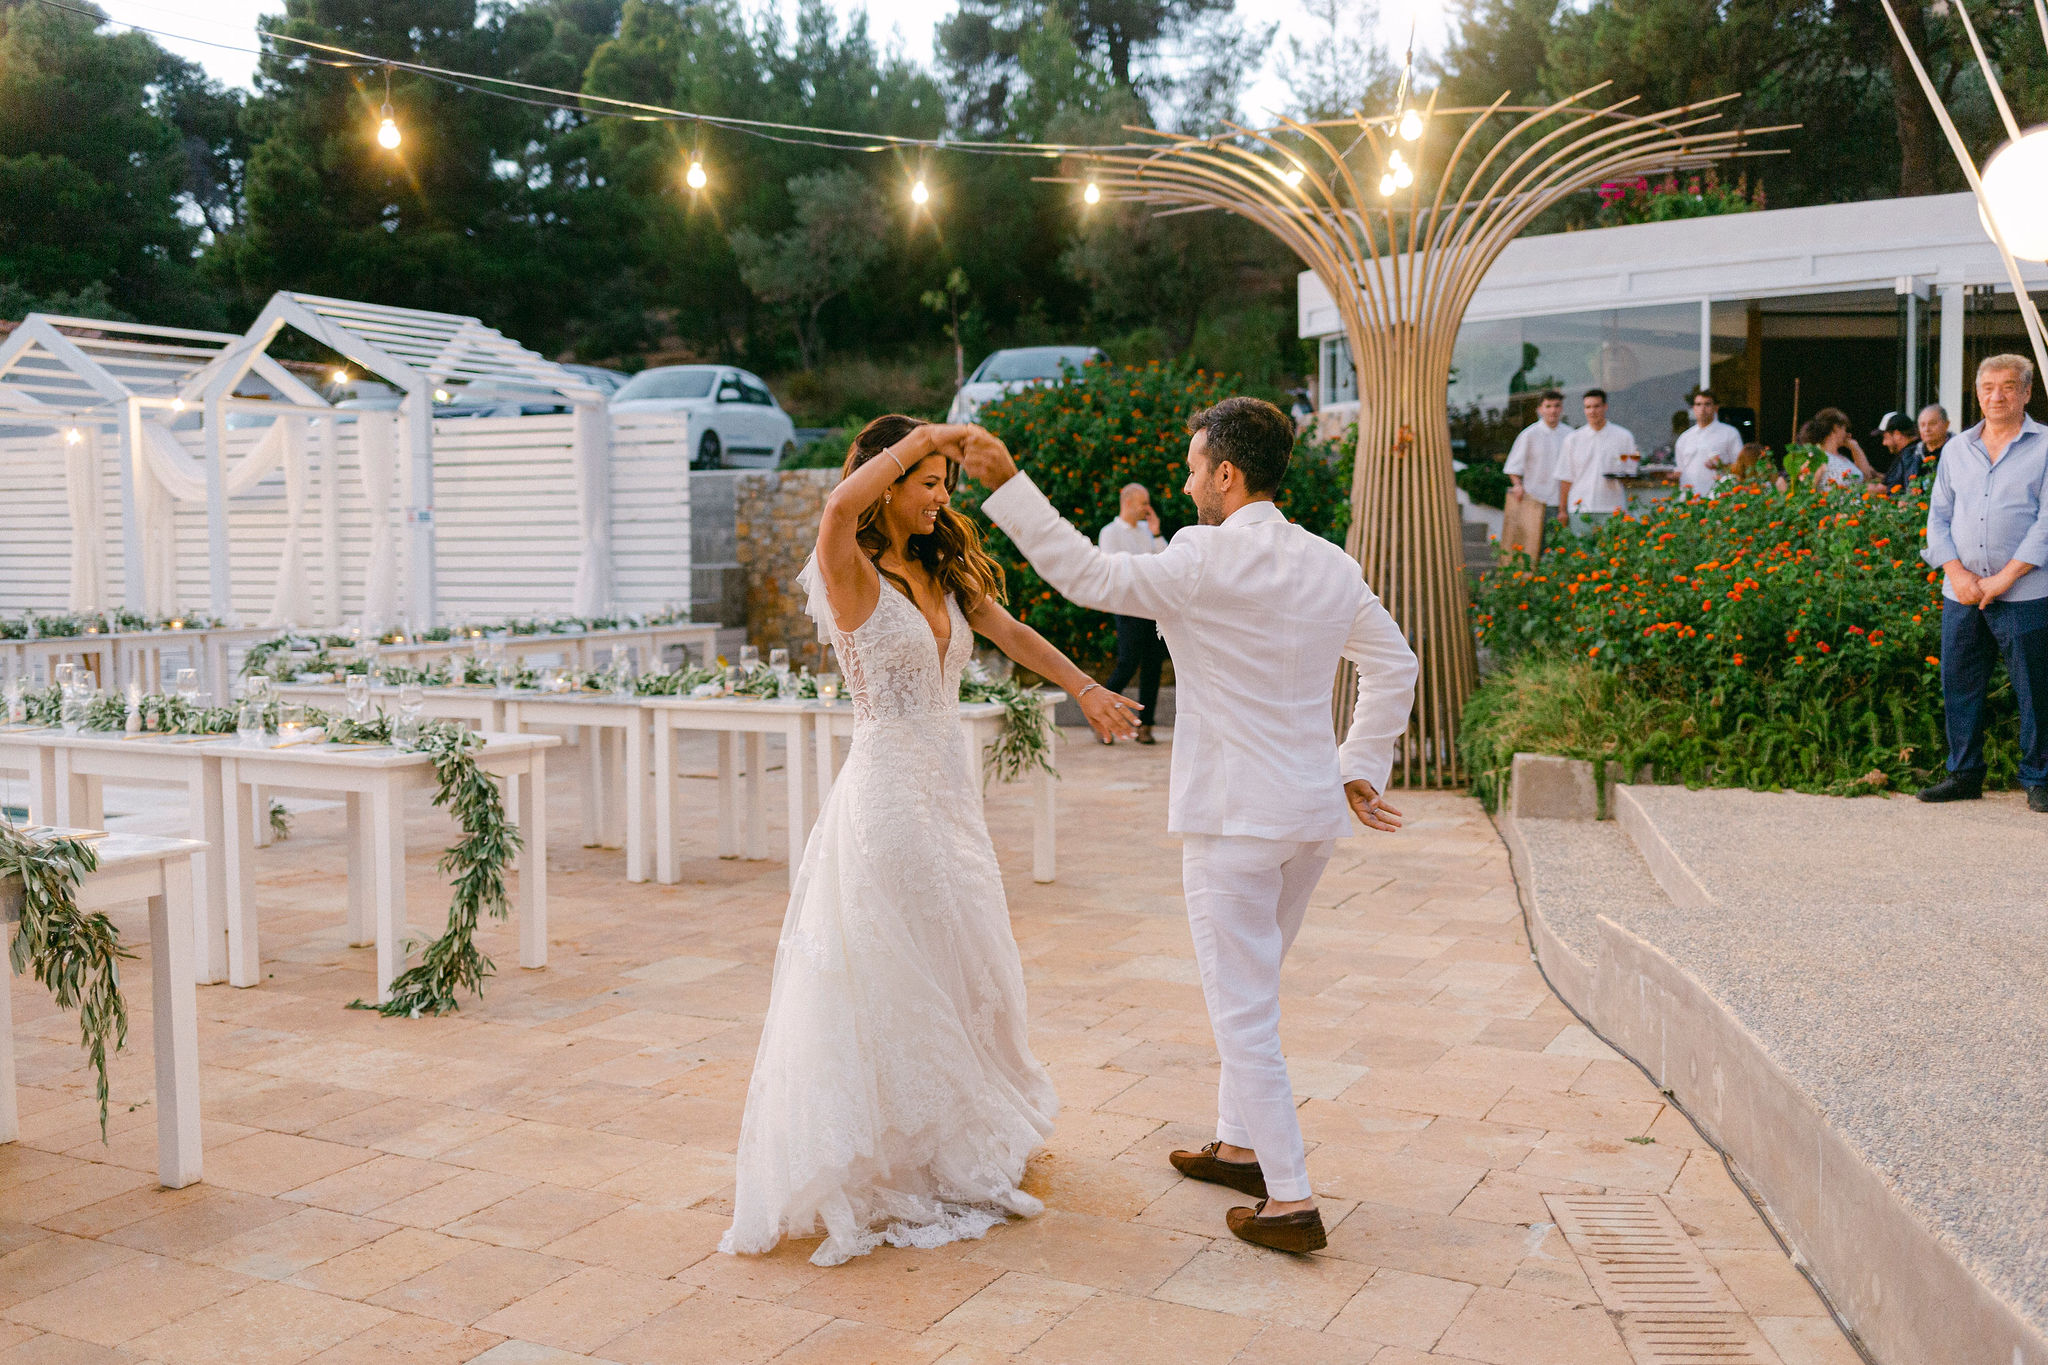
x=650, y=471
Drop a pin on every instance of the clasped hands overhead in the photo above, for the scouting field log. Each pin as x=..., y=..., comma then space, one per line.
x=975, y=449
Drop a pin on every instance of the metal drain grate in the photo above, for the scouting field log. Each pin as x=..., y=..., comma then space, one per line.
x=1637, y=1256
x=1695, y=1339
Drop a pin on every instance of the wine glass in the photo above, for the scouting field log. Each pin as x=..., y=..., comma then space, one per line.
x=65, y=675
x=622, y=673
x=356, y=688
x=71, y=709
x=186, y=684
x=249, y=722
x=750, y=658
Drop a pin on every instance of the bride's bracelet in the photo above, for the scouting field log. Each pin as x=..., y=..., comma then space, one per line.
x=1085, y=691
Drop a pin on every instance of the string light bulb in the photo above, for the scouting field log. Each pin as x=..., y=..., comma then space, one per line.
x=341, y=376
x=387, y=127
x=1091, y=195
x=1411, y=126
x=695, y=177
x=1387, y=185
x=73, y=436
x=177, y=405
x=919, y=194
x=1293, y=178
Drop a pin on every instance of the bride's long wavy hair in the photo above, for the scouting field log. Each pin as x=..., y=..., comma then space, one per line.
x=952, y=553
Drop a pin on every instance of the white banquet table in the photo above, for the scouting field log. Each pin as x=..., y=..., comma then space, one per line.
x=373, y=782
x=157, y=872
x=730, y=718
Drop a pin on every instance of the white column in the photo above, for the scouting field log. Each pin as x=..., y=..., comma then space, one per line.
x=132, y=575
x=1706, y=343
x=219, y=582
x=419, y=512
x=1949, y=371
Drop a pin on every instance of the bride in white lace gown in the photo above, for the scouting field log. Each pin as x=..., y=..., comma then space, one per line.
x=894, y=1096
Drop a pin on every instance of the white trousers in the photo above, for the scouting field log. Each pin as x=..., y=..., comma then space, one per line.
x=1246, y=899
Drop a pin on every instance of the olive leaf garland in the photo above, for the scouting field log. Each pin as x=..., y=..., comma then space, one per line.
x=74, y=955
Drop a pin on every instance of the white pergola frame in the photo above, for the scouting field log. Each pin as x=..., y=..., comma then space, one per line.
x=70, y=371
x=419, y=351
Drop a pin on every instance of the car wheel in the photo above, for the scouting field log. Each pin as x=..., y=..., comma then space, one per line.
x=710, y=455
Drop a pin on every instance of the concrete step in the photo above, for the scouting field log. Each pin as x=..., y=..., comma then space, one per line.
x=1846, y=995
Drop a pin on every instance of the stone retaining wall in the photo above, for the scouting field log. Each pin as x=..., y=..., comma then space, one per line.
x=775, y=526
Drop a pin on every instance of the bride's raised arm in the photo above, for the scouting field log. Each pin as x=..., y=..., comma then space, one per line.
x=850, y=583
x=1108, y=714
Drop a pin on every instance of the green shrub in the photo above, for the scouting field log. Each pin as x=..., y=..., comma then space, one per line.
x=1797, y=636
x=1484, y=481
x=1110, y=425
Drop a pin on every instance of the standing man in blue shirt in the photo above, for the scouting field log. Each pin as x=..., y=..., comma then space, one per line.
x=1987, y=531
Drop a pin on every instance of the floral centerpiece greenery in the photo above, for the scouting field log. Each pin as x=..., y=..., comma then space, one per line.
x=1756, y=639
x=69, y=625
x=1110, y=425
x=75, y=956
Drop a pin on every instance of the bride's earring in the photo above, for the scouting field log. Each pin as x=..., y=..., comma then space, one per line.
x=888, y=497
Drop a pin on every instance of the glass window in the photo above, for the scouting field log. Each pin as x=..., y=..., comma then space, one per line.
x=668, y=382
x=1647, y=359
x=1339, y=376
x=754, y=392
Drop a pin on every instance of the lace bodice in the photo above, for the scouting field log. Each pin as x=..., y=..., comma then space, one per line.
x=892, y=663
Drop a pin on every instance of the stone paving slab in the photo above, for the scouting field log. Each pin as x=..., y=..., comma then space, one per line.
x=542, y=1178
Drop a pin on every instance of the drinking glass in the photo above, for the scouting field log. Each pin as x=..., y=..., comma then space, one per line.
x=356, y=687
x=828, y=687
x=249, y=722
x=71, y=710
x=750, y=658
x=259, y=689
x=187, y=687
x=734, y=676
x=412, y=700
x=622, y=676
x=65, y=675
x=291, y=721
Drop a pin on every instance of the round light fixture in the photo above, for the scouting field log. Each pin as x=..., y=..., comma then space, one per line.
x=919, y=194
x=2016, y=195
x=1387, y=185
x=341, y=376
x=1293, y=178
x=1091, y=195
x=695, y=177
x=388, y=136
x=1411, y=126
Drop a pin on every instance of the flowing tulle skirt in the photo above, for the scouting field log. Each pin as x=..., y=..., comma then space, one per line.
x=894, y=1097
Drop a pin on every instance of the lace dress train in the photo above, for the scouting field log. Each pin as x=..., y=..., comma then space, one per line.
x=894, y=1096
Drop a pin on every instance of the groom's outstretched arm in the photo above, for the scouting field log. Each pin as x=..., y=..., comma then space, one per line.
x=1386, y=694
x=1129, y=585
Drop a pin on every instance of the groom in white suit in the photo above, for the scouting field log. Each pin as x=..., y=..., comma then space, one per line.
x=1257, y=612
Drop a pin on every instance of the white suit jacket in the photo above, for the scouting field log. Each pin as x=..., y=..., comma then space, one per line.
x=1257, y=613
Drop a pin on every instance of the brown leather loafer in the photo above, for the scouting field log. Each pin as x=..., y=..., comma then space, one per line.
x=1145, y=735
x=1243, y=1176
x=1296, y=1232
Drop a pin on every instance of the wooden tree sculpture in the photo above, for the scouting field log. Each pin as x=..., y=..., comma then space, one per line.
x=1401, y=264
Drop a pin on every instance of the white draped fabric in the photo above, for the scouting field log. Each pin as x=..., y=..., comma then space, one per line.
x=377, y=435
x=592, y=453
x=88, y=544
x=292, y=602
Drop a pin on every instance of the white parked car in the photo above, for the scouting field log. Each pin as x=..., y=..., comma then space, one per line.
x=1005, y=372
x=738, y=423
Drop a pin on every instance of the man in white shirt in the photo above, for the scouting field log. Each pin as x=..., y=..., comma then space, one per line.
x=1532, y=474
x=1259, y=613
x=1707, y=449
x=1595, y=459
x=1139, y=649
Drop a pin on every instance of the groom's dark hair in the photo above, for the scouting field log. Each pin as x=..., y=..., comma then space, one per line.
x=1253, y=435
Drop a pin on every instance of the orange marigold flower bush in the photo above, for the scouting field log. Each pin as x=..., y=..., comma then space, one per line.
x=1110, y=425
x=1794, y=640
